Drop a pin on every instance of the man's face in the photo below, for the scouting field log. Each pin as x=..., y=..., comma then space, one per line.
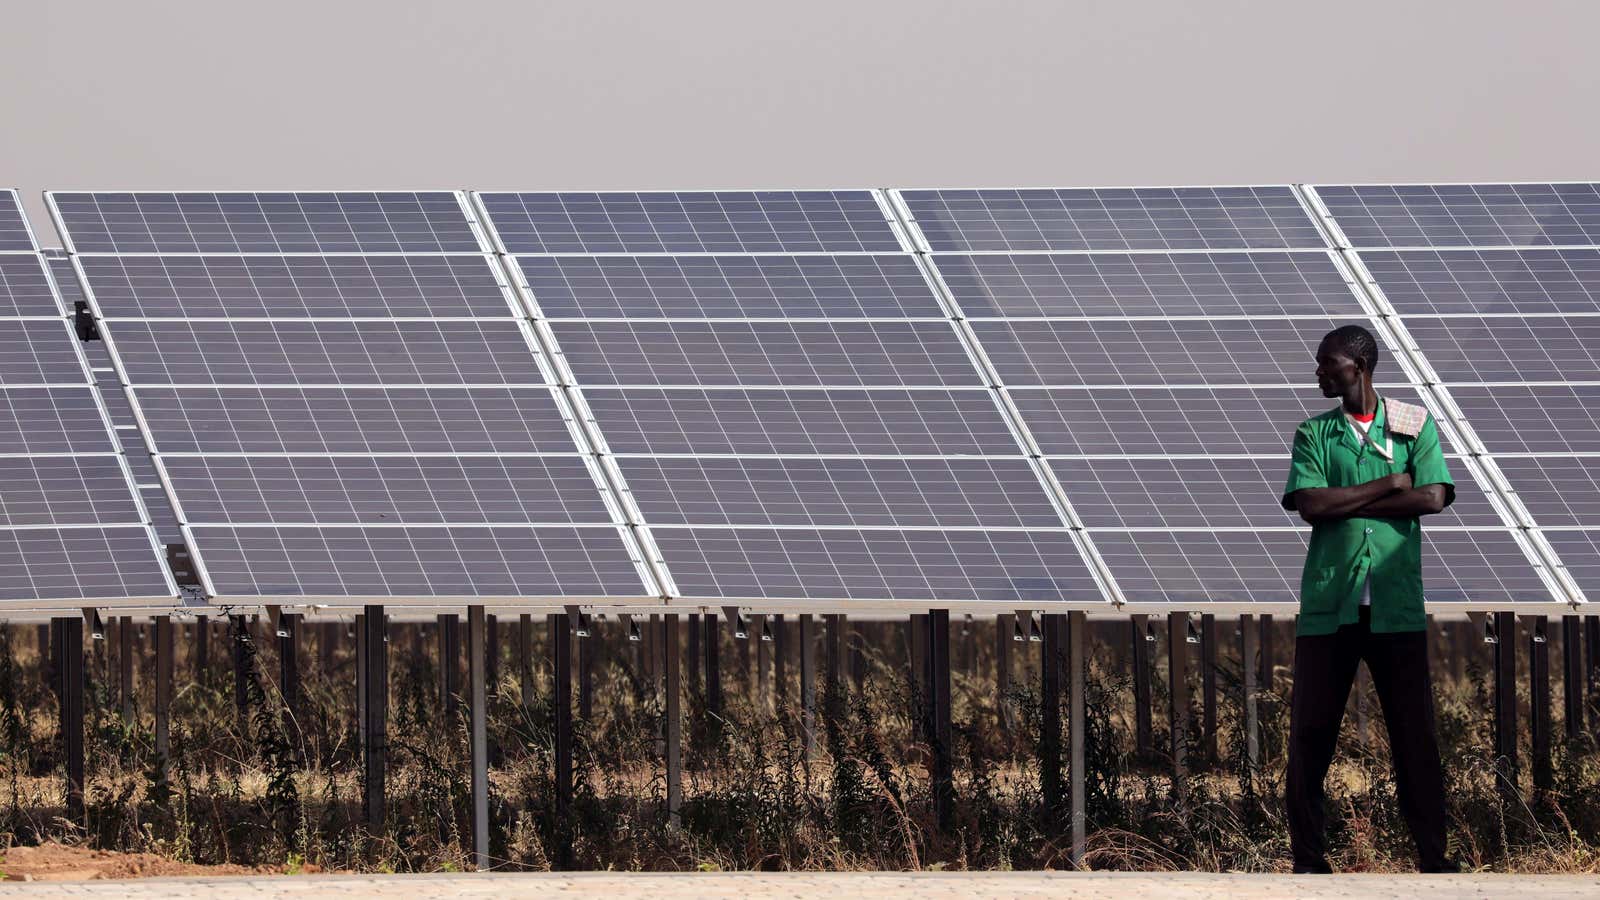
x=1337, y=374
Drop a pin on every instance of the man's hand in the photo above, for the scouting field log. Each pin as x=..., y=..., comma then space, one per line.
x=1400, y=481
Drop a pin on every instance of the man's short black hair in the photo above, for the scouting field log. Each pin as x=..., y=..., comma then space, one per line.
x=1355, y=342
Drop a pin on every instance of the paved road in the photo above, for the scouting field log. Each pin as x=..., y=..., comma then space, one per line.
x=876, y=885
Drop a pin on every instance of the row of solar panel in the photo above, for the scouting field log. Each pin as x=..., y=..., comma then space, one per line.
x=605, y=337
x=1270, y=217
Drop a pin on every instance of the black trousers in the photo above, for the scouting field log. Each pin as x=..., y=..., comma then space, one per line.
x=1324, y=668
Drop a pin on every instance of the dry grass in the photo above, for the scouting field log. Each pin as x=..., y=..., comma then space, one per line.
x=284, y=793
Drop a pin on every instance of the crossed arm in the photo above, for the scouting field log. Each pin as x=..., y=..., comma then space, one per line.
x=1391, y=496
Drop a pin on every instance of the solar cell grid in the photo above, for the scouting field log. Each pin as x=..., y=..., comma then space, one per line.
x=691, y=222
x=1465, y=215
x=91, y=565
x=38, y=352
x=685, y=287
x=1559, y=491
x=1187, y=284
x=1205, y=567
x=1481, y=566
x=52, y=420
x=356, y=420
x=292, y=352
x=419, y=562
x=1428, y=282
x=1509, y=348
x=24, y=288
x=386, y=490
x=54, y=490
x=14, y=234
x=267, y=222
x=850, y=422
x=863, y=493
x=1217, y=352
x=1200, y=218
x=1538, y=419
x=1580, y=553
x=296, y=286
x=900, y=354
x=915, y=566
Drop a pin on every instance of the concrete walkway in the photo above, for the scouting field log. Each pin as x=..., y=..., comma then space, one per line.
x=874, y=885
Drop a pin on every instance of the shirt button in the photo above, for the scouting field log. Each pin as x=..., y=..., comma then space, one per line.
x=1369, y=531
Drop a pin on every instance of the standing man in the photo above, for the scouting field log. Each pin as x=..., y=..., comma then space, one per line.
x=1362, y=475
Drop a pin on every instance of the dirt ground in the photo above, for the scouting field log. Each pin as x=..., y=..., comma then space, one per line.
x=56, y=862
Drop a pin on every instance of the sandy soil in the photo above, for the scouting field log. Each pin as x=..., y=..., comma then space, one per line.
x=56, y=862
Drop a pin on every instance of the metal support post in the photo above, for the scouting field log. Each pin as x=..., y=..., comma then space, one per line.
x=674, y=721
x=941, y=736
x=375, y=686
x=1078, y=664
x=67, y=638
x=477, y=666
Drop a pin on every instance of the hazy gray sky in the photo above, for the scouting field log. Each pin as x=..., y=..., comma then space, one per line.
x=331, y=94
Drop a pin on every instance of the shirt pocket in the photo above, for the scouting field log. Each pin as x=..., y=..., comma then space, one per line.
x=1317, y=593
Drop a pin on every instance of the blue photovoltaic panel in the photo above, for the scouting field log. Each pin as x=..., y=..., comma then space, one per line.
x=24, y=288
x=54, y=490
x=1217, y=492
x=1205, y=566
x=915, y=566
x=691, y=222
x=79, y=564
x=324, y=352
x=843, y=422
x=274, y=222
x=1148, y=284
x=386, y=490
x=1198, y=218
x=1147, y=352
x=1465, y=215
x=1444, y=282
x=38, y=352
x=288, y=286
x=1559, y=491
x=52, y=420
x=1539, y=419
x=419, y=562
x=899, y=354
x=1510, y=348
x=355, y=420
x=14, y=234
x=1481, y=565
x=1580, y=553
x=898, y=493
x=708, y=287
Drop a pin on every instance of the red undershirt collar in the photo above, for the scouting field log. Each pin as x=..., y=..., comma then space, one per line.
x=1366, y=418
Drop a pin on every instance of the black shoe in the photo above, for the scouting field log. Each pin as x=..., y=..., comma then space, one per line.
x=1320, y=867
x=1445, y=866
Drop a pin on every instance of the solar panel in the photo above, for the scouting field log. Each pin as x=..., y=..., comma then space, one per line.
x=355, y=420
x=861, y=493
x=691, y=222
x=1163, y=421
x=308, y=286
x=1488, y=282
x=716, y=354
x=1464, y=215
x=546, y=562
x=753, y=287
x=38, y=352
x=1205, y=567
x=55, y=420
x=877, y=565
x=1214, y=492
x=24, y=288
x=387, y=490
x=1479, y=566
x=1199, y=218
x=87, y=490
x=266, y=222
x=1580, y=553
x=80, y=566
x=243, y=352
x=1506, y=348
x=845, y=422
x=15, y=237
x=1213, y=352
x=1148, y=284
x=1537, y=419
x=1559, y=491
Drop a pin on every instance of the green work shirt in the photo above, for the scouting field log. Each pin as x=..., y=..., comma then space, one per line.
x=1343, y=552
